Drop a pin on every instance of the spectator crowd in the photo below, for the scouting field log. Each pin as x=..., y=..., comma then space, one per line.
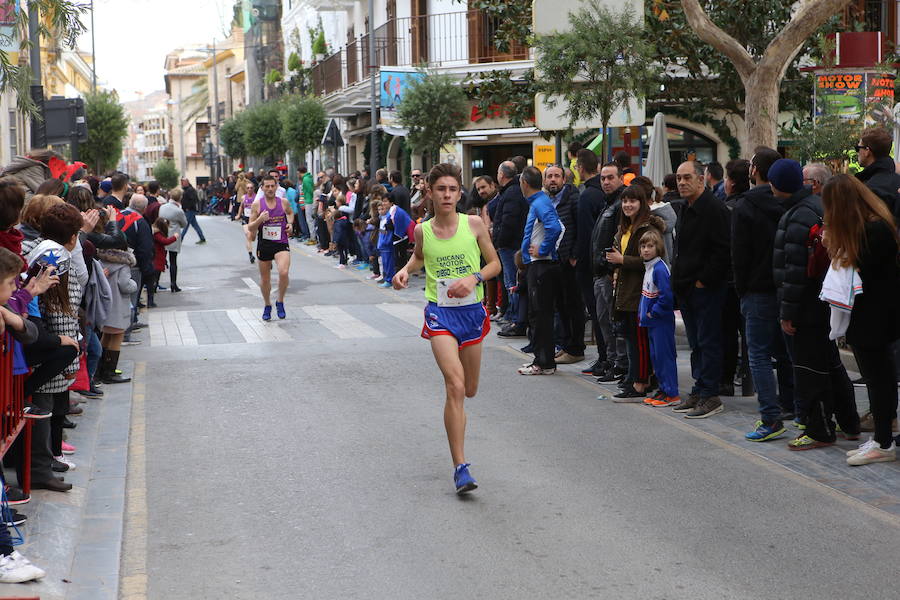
x=766, y=262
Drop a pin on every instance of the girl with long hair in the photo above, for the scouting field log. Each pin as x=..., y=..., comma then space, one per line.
x=861, y=234
x=634, y=222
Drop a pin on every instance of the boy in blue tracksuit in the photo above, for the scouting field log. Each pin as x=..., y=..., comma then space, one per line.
x=657, y=314
x=385, y=245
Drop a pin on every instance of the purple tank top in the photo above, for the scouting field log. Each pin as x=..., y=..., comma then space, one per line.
x=247, y=205
x=275, y=228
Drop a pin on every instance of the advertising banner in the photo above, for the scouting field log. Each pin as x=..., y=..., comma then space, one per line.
x=393, y=87
x=856, y=95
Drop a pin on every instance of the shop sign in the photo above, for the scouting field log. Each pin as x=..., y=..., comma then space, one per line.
x=544, y=156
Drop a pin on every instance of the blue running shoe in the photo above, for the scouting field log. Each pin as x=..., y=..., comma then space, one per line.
x=267, y=313
x=764, y=433
x=385, y=284
x=464, y=482
x=279, y=309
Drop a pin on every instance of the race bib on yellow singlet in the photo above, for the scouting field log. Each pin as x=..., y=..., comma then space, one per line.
x=271, y=233
x=443, y=285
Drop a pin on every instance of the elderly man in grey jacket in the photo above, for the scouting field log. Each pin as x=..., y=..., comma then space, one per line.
x=173, y=213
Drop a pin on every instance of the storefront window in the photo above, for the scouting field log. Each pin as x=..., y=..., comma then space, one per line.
x=684, y=144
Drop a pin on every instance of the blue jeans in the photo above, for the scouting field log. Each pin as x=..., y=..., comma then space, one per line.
x=701, y=310
x=508, y=260
x=94, y=351
x=191, y=216
x=764, y=342
x=304, y=225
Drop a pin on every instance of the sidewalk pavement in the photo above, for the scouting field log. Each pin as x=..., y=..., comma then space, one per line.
x=76, y=537
x=876, y=486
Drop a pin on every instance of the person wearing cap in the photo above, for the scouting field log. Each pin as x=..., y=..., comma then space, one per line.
x=699, y=280
x=818, y=370
x=753, y=225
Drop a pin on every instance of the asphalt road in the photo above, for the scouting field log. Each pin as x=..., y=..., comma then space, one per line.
x=307, y=459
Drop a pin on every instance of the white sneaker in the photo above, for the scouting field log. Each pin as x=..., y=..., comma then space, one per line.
x=865, y=446
x=15, y=568
x=379, y=279
x=873, y=455
x=65, y=459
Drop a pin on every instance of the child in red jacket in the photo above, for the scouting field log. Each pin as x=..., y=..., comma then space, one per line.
x=161, y=239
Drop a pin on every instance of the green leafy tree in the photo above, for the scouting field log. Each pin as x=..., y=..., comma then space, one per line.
x=60, y=22
x=433, y=110
x=495, y=91
x=599, y=65
x=828, y=138
x=107, y=126
x=303, y=122
x=294, y=62
x=166, y=173
x=231, y=136
x=262, y=130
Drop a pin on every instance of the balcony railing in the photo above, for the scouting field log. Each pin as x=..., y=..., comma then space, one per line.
x=442, y=40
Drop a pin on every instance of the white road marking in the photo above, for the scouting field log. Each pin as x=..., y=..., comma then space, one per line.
x=251, y=326
x=341, y=323
x=171, y=328
x=408, y=313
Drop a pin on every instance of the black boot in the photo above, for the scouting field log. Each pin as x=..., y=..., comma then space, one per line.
x=108, y=368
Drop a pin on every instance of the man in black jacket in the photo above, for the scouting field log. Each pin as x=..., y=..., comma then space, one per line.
x=591, y=203
x=818, y=370
x=190, y=203
x=879, y=174
x=400, y=193
x=602, y=236
x=753, y=224
x=564, y=197
x=509, y=227
x=699, y=278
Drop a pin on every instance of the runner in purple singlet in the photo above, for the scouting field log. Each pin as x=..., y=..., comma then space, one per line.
x=271, y=217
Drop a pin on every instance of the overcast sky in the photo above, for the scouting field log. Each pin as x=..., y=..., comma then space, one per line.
x=134, y=36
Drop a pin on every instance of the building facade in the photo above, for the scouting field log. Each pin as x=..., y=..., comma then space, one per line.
x=187, y=102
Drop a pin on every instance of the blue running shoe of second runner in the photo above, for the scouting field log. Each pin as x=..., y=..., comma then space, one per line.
x=279, y=309
x=463, y=480
x=267, y=313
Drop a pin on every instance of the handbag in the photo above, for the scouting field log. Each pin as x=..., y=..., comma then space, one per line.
x=82, y=382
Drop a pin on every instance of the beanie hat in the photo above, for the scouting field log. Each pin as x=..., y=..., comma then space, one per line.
x=106, y=186
x=786, y=175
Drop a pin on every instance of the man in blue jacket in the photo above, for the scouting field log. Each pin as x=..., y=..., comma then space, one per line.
x=539, y=253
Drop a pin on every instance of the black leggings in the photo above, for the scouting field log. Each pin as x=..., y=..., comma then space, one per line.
x=47, y=363
x=173, y=268
x=877, y=367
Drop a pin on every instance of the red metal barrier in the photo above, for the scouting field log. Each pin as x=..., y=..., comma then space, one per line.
x=12, y=419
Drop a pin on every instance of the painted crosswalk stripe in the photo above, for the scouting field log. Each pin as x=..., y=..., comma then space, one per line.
x=171, y=328
x=408, y=313
x=341, y=323
x=253, y=329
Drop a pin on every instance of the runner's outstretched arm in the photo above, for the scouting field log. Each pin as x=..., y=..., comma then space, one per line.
x=416, y=262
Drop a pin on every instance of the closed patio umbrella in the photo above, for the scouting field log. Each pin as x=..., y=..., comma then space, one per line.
x=659, y=163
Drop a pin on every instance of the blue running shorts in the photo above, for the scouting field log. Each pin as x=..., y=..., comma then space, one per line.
x=468, y=324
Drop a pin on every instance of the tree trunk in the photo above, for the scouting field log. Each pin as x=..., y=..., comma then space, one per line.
x=761, y=110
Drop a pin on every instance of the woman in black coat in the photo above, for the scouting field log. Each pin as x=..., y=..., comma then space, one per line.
x=861, y=234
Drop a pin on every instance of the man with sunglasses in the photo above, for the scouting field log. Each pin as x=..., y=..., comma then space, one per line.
x=874, y=154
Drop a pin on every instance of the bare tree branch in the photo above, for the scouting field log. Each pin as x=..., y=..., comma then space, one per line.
x=810, y=14
x=710, y=33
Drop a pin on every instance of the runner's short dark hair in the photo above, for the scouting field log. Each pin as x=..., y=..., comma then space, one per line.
x=444, y=170
x=268, y=178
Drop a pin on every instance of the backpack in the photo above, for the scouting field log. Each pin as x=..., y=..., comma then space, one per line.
x=817, y=259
